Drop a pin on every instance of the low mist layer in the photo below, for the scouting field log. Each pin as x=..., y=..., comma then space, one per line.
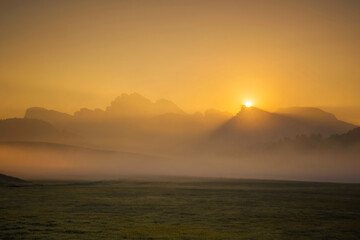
x=294, y=143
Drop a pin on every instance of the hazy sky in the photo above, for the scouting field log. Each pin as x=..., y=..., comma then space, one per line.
x=201, y=54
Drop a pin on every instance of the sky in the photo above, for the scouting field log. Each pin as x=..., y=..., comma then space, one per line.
x=66, y=55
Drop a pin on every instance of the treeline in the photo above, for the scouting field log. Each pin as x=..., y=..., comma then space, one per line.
x=351, y=139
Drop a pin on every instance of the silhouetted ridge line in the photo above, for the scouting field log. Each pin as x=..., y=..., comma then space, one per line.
x=9, y=180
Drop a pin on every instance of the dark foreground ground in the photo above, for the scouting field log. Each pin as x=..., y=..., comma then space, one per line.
x=180, y=209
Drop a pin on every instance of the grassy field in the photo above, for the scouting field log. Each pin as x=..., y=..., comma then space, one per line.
x=180, y=209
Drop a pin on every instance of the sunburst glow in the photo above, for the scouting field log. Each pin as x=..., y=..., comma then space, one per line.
x=248, y=104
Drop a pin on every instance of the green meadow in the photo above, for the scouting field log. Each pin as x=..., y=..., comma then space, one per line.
x=180, y=208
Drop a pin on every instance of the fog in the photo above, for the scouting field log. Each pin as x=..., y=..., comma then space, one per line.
x=123, y=140
x=50, y=161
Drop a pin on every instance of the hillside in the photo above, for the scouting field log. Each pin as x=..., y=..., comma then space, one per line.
x=255, y=127
x=19, y=129
x=318, y=118
x=8, y=180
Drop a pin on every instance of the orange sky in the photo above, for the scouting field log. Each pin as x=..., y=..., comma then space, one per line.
x=200, y=54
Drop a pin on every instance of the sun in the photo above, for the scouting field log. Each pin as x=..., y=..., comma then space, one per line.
x=248, y=104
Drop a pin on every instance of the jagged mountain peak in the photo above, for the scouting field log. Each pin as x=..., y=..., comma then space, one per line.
x=36, y=112
x=135, y=104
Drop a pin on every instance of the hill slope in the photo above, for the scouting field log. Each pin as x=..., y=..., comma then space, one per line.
x=8, y=180
x=324, y=121
x=253, y=126
x=23, y=129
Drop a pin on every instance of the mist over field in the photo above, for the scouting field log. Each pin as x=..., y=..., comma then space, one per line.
x=180, y=119
x=49, y=162
x=246, y=89
x=135, y=136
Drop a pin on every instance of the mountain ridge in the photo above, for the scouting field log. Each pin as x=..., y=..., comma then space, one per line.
x=253, y=126
x=134, y=123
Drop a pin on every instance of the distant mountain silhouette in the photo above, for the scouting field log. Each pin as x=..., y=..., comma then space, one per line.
x=126, y=105
x=253, y=126
x=309, y=113
x=136, y=105
x=134, y=123
x=50, y=116
x=17, y=129
x=85, y=113
x=316, y=116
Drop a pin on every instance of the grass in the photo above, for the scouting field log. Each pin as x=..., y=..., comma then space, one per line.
x=180, y=209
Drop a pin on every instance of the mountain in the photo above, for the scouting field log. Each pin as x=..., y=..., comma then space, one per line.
x=50, y=116
x=316, y=116
x=22, y=129
x=126, y=105
x=134, y=123
x=253, y=126
x=137, y=105
x=85, y=113
x=308, y=113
